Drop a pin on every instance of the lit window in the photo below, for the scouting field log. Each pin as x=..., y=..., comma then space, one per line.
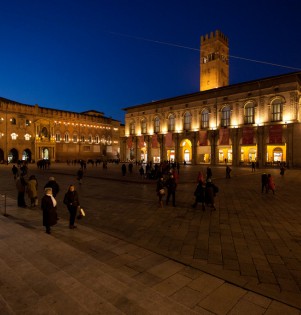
x=157, y=125
x=14, y=136
x=226, y=111
x=57, y=137
x=132, y=128
x=171, y=122
x=143, y=126
x=276, y=110
x=187, y=121
x=249, y=113
x=27, y=122
x=205, y=119
x=13, y=121
x=66, y=137
x=103, y=140
x=27, y=136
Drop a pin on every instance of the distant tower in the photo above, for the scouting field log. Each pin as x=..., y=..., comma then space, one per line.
x=214, y=61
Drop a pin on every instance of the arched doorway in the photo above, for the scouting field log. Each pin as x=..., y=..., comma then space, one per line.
x=26, y=155
x=13, y=156
x=277, y=155
x=186, y=152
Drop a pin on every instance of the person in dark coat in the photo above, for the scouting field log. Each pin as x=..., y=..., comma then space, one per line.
x=210, y=191
x=15, y=171
x=200, y=195
x=53, y=185
x=80, y=175
x=160, y=190
x=264, y=182
x=123, y=169
x=171, y=190
x=48, y=205
x=71, y=200
x=209, y=173
x=228, y=171
x=21, y=187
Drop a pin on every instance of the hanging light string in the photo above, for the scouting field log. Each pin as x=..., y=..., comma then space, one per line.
x=198, y=50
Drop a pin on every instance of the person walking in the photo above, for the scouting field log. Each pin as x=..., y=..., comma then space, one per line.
x=53, y=185
x=32, y=191
x=264, y=183
x=171, y=190
x=48, y=205
x=123, y=169
x=253, y=165
x=15, y=171
x=271, y=184
x=210, y=192
x=80, y=175
x=71, y=200
x=21, y=187
x=160, y=190
x=228, y=171
x=199, y=195
x=208, y=173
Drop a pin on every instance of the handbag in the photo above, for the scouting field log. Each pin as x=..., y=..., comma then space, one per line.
x=81, y=212
x=162, y=191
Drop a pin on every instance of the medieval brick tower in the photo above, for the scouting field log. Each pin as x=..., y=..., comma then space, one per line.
x=214, y=61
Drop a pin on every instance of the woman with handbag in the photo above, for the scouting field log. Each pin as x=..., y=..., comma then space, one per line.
x=160, y=190
x=71, y=200
x=48, y=205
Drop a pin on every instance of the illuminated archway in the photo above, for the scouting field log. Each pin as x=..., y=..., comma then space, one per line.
x=186, y=151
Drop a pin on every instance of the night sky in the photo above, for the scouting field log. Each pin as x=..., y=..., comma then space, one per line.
x=107, y=55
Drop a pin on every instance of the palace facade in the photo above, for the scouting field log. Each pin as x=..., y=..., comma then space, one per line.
x=256, y=121
x=32, y=133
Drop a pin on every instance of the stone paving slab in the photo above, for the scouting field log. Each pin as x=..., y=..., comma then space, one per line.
x=254, y=247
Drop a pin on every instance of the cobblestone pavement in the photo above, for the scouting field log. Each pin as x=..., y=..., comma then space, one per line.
x=251, y=243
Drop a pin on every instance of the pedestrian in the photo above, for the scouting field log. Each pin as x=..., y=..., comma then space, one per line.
x=48, y=205
x=282, y=169
x=171, y=190
x=80, y=175
x=130, y=168
x=21, y=187
x=15, y=171
x=228, y=171
x=141, y=171
x=253, y=165
x=71, y=200
x=123, y=169
x=160, y=190
x=32, y=191
x=200, y=177
x=200, y=195
x=53, y=185
x=271, y=184
x=208, y=173
x=210, y=193
x=264, y=182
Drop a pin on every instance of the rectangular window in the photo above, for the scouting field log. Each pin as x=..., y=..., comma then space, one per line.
x=249, y=115
x=277, y=113
x=205, y=120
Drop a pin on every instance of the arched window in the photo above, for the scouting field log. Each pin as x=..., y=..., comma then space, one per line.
x=82, y=139
x=27, y=136
x=66, y=137
x=276, y=109
x=14, y=136
x=103, y=140
x=171, y=122
x=249, y=113
x=74, y=139
x=96, y=139
x=13, y=121
x=143, y=126
x=90, y=139
x=157, y=125
x=132, y=128
x=205, y=119
x=57, y=137
x=187, y=121
x=226, y=111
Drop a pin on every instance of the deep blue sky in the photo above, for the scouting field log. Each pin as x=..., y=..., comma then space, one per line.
x=69, y=54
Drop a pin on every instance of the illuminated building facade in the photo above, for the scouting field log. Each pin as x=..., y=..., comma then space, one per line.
x=256, y=121
x=35, y=133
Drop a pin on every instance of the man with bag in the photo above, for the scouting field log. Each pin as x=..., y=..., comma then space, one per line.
x=71, y=200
